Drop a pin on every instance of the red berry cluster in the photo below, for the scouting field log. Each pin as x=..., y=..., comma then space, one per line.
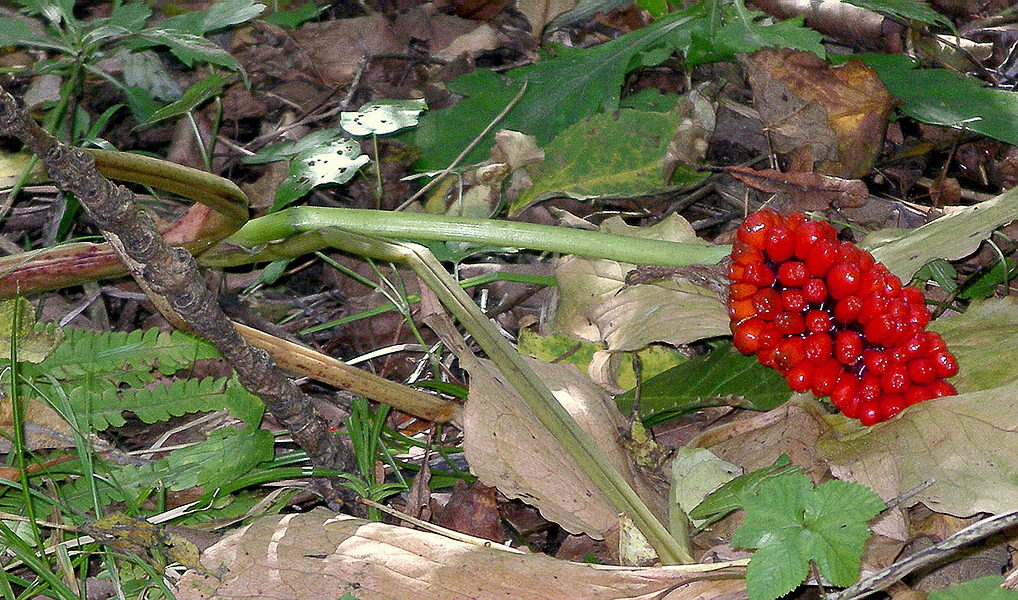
x=831, y=319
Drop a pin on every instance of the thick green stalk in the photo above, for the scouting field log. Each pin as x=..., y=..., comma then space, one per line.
x=426, y=227
x=523, y=379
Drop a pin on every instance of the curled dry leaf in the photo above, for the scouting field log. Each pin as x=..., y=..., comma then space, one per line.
x=324, y=555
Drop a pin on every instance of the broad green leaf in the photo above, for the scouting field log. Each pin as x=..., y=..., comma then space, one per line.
x=286, y=150
x=722, y=377
x=695, y=473
x=190, y=49
x=984, y=588
x=560, y=91
x=381, y=118
x=939, y=271
x=836, y=519
x=14, y=32
x=296, y=17
x=195, y=96
x=910, y=10
x=335, y=162
x=984, y=284
x=130, y=16
x=733, y=29
x=621, y=153
x=941, y=97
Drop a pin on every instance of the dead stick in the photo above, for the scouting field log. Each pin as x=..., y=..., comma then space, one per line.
x=170, y=276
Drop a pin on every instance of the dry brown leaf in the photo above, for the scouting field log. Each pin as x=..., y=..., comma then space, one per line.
x=323, y=555
x=808, y=191
x=336, y=48
x=840, y=111
x=507, y=447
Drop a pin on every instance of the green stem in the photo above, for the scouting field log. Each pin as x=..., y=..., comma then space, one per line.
x=427, y=227
x=523, y=379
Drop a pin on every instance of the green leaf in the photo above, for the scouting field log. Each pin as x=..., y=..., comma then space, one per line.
x=195, y=96
x=732, y=495
x=911, y=10
x=335, y=162
x=34, y=345
x=940, y=271
x=941, y=97
x=218, y=16
x=984, y=284
x=704, y=381
x=984, y=588
x=14, y=32
x=289, y=149
x=790, y=523
x=744, y=30
x=621, y=153
x=296, y=17
x=560, y=91
x=130, y=16
x=381, y=118
x=144, y=70
x=189, y=48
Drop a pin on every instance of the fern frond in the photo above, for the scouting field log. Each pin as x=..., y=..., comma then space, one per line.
x=161, y=402
x=122, y=357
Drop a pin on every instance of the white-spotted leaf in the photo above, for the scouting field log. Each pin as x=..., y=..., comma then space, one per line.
x=335, y=162
x=381, y=118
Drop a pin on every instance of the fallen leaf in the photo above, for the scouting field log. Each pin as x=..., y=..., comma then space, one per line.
x=808, y=191
x=324, y=555
x=841, y=112
x=508, y=447
x=596, y=305
x=955, y=235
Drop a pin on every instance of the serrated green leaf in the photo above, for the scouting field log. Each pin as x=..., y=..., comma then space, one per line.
x=700, y=382
x=790, y=523
x=189, y=48
x=14, y=32
x=383, y=117
x=743, y=30
x=196, y=95
x=912, y=10
x=774, y=572
x=984, y=588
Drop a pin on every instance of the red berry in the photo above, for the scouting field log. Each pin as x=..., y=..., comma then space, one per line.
x=945, y=365
x=895, y=380
x=845, y=391
x=793, y=274
x=822, y=256
x=800, y=377
x=809, y=234
x=767, y=303
x=747, y=335
x=790, y=352
x=847, y=347
x=739, y=310
x=754, y=228
x=741, y=291
x=818, y=348
x=876, y=361
x=825, y=377
x=922, y=370
x=793, y=300
x=815, y=290
x=759, y=275
x=818, y=321
x=843, y=280
x=891, y=405
x=847, y=310
x=941, y=388
x=869, y=413
x=917, y=394
x=789, y=323
x=780, y=243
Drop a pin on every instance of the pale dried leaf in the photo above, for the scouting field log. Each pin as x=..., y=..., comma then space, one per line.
x=323, y=555
x=953, y=236
x=597, y=306
x=507, y=447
